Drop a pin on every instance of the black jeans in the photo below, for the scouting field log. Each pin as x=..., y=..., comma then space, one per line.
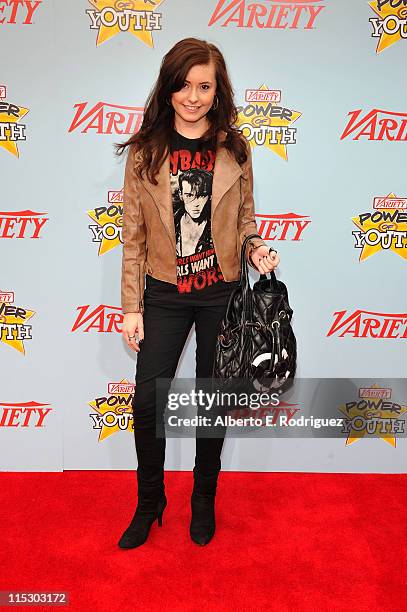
x=168, y=318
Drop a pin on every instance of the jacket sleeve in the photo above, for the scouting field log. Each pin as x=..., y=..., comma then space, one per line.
x=134, y=242
x=246, y=220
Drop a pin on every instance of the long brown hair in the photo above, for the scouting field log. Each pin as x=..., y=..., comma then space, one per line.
x=154, y=135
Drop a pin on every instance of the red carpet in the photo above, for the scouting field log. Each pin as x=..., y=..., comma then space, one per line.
x=284, y=542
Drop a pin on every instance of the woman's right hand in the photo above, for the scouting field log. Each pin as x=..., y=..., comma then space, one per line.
x=132, y=325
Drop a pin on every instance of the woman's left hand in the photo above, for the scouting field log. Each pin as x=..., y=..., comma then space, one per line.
x=263, y=260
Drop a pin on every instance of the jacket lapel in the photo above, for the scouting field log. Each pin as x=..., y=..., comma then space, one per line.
x=225, y=174
x=161, y=194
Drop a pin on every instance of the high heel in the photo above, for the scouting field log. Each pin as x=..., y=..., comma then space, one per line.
x=137, y=532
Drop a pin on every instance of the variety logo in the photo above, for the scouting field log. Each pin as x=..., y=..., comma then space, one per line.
x=267, y=412
x=103, y=319
x=113, y=409
x=366, y=324
x=13, y=322
x=383, y=229
x=11, y=131
x=18, y=11
x=377, y=124
x=274, y=14
x=106, y=118
x=373, y=414
x=286, y=226
x=21, y=224
x=264, y=121
x=24, y=414
x=390, y=25
x=138, y=17
x=107, y=231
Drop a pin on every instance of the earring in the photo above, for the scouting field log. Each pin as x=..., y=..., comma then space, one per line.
x=168, y=101
x=217, y=103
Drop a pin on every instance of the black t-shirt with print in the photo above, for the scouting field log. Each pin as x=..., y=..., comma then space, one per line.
x=191, y=175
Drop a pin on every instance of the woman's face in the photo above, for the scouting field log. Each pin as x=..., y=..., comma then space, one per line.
x=195, y=98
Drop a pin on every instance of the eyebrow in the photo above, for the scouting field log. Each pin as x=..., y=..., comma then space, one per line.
x=201, y=83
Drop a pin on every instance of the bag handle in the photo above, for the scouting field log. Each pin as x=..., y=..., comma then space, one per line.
x=244, y=280
x=243, y=261
x=247, y=301
x=244, y=275
x=273, y=280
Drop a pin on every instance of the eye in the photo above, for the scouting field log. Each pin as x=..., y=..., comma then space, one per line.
x=206, y=87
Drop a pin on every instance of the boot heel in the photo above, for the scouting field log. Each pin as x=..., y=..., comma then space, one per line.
x=161, y=507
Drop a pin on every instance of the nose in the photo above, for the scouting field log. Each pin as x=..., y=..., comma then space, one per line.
x=193, y=95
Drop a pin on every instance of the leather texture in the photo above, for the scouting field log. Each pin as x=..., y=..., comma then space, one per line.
x=256, y=348
x=148, y=230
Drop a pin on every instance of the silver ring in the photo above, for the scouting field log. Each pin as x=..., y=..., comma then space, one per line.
x=130, y=337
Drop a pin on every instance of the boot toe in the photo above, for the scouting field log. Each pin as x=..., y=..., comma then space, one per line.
x=131, y=540
x=201, y=539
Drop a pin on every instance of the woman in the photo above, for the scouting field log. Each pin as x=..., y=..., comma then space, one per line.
x=187, y=137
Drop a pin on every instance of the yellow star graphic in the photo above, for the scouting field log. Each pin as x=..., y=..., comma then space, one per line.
x=375, y=410
x=15, y=321
x=12, y=114
x=258, y=120
x=386, y=40
x=107, y=244
x=382, y=226
x=107, y=32
x=122, y=405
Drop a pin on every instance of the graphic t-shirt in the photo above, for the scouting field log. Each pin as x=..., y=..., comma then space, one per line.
x=191, y=175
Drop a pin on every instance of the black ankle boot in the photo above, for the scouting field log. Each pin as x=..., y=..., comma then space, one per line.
x=150, y=506
x=202, y=527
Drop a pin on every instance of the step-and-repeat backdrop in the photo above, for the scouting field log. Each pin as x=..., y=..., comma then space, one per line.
x=321, y=94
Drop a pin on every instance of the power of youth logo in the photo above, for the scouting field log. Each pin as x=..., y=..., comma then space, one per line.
x=390, y=24
x=374, y=413
x=113, y=409
x=267, y=14
x=14, y=330
x=107, y=229
x=105, y=118
x=382, y=229
x=11, y=130
x=138, y=17
x=265, y=121
x=376, y=124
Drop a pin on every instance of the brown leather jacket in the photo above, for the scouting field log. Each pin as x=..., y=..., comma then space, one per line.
x=148, y=229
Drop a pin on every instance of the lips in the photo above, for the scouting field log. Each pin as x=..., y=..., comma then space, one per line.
x=191, y=108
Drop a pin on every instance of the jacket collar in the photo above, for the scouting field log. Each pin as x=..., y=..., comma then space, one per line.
x=225, y=174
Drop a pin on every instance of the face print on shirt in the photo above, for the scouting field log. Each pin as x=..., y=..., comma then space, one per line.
x=191, y=175
x=192, y=220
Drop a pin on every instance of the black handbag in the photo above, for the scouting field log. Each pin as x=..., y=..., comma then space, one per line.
x=256, y=348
